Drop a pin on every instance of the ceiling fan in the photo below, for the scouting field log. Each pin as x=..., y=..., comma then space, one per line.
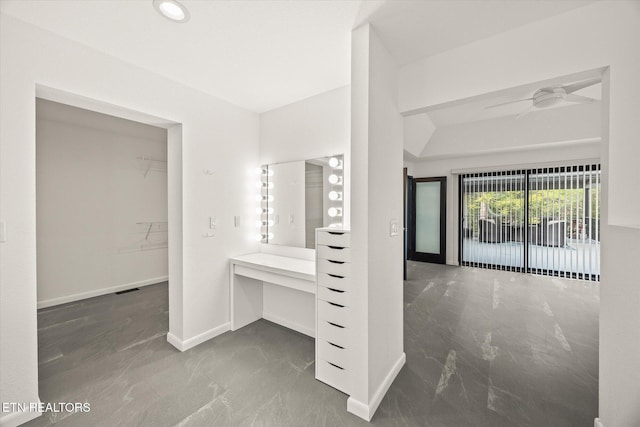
x=553, y=95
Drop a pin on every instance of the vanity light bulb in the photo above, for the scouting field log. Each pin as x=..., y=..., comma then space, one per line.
x=335, y=179
x=264, y=223
x=259, y=211
x=264, y=171
x=260, y=184
x=260, y=198
x=334, y=162
x=335, y=195
x=334, y=212
x=259, y=237
x=269, y=235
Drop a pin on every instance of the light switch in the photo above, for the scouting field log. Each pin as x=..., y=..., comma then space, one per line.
x=212, y=222
x=3, y=231
x=394, y=227
x=290, y=218
x=236, y=221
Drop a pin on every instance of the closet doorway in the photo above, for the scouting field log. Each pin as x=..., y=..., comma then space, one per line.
x=102, y=240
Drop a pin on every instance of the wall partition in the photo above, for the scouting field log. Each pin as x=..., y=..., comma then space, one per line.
x=541, y=221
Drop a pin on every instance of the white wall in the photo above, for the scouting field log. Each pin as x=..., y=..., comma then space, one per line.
x=599, y=35
x=216, y=137
x=314, y=127
x=376, y=263
x=574, y=123
x=91, y=193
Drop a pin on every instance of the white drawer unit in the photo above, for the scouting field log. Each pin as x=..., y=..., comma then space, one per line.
x=333, y=312
x=333, y=295
x=334, y=253
x=333, y=237
x=337, y=268
x=333, y=308
x=334, y=375
x=333, y=281
x=333, y=332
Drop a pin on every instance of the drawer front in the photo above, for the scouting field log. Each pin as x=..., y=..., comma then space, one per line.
x=334, y=238
x=335, y=268
x=333, y=313
x=334, y=253
x=334, y=282
x=333, y=295
x=332, y=375
x=333, y=353
x=332, y=333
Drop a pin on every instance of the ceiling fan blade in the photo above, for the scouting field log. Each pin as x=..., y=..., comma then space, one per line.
x=581, y=85
x=525, y=112
x=510, y=102
x=579, y=98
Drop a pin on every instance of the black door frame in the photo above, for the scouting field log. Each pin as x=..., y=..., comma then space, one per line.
x=440, y=258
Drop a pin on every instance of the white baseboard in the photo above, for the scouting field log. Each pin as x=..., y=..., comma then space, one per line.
x=597, y=423
x=289, y=324
x=96, y=293
x=198, y=339
x=14, y=419
x=366, y=411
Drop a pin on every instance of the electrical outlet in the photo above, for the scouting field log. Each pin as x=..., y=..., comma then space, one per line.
x=212, y=222
x=236, y=221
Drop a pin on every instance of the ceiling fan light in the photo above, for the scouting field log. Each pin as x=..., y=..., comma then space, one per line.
x=549, y=97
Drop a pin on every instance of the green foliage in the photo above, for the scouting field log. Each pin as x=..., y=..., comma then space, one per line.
x=508, y=206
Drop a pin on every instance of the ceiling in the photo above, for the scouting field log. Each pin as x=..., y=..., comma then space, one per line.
x=475, y=109
x=261, y=55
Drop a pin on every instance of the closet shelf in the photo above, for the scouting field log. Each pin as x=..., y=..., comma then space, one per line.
x=148, y=164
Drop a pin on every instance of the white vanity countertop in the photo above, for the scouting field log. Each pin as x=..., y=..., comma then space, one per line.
x=294, y=267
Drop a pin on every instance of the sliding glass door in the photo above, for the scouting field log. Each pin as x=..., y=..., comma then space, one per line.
x=493, y=218
x=544, y=221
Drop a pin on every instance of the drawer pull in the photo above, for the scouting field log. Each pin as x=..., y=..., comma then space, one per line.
x=333, y=364
x=336, y=276
x=336, y=233
x=336, y=290
x=336, y=325
x=336, y=247
x=336, y=305
x=335, y=262
x=335, y=345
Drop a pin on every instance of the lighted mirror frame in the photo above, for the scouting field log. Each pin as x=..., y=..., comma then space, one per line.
x=333, y=196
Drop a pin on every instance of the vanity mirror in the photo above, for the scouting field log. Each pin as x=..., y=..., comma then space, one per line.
x=295, y=198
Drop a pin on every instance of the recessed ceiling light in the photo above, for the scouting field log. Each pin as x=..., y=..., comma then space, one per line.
x=172, y=10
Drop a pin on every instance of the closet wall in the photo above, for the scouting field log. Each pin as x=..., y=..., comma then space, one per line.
x=101, y=189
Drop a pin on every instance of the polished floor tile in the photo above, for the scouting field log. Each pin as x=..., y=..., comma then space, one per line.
x=484, y=348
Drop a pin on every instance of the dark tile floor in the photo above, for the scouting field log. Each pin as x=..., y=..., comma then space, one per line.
x=484, y=348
